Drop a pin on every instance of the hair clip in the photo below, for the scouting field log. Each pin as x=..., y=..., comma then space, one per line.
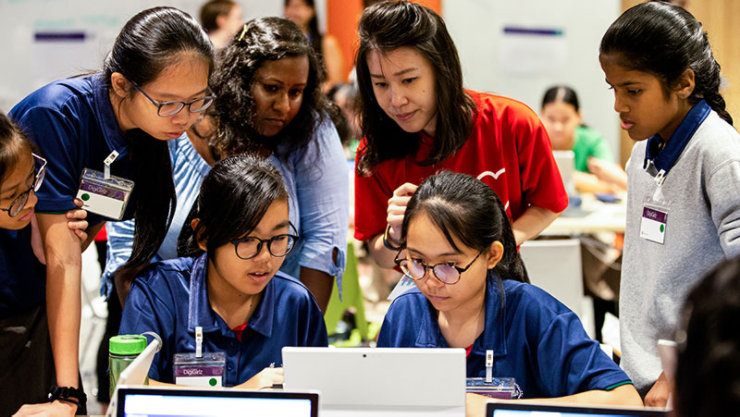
x=244, y=32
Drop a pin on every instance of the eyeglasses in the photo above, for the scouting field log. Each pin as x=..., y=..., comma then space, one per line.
x=446, y=272
x=39, y=169
x=171, y=108
x=278, y=246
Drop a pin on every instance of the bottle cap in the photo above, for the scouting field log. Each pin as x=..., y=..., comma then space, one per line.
x=128, y=344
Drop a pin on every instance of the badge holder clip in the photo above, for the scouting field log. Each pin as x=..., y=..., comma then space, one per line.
x=500, y=388
x=654, y=221
x=200, y=369
x=105, y=194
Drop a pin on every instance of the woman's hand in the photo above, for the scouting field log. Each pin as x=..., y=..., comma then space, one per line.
x=397, y=208
x=56, y=408
x=265, y=379
x=76, y=221
x=608, y=172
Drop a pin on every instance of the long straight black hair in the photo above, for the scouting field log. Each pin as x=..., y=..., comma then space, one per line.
x=148, y=43
x=233, y=198
x=468, y=209
x=665, y=40
x=390, y=25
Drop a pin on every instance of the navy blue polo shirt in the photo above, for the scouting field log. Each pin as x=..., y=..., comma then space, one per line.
x=165, y=300
x=22, y=276
x=73, y=124
x=536, y=340
x=657, y=159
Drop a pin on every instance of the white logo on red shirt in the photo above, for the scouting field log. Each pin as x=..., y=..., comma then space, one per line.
x=495, y=177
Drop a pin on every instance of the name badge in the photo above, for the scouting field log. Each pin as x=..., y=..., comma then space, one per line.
x=204, y=371
x=653, y=224
x=104, y=196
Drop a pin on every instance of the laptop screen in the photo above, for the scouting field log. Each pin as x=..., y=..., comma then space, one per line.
x=532, y=410
x=185, y=402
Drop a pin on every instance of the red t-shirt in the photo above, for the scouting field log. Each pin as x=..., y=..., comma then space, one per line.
x=508, y=149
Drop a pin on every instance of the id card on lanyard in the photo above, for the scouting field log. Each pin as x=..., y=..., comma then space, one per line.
x=199, y=368
x=655, y=210
x=105, y=194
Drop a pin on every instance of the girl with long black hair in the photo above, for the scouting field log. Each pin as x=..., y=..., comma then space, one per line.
x=153, y=84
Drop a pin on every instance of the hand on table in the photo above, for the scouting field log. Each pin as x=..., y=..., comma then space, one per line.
x=265, y=379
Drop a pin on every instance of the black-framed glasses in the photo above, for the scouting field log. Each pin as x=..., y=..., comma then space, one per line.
x=171, y=108
x=248, y=247
x=39, y=169
x=446, y=272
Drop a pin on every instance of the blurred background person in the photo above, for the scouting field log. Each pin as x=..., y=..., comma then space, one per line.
x=303, y=14
x=221, y=19
x=595, y=170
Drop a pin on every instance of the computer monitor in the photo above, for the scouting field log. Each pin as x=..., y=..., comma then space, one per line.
x=222, y=402
x=380, y=381
x=544, y=410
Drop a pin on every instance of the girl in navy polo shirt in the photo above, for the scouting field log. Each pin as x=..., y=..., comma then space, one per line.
x=231, y=286
x=153, y=84
x=460, y=250
x=26, y=363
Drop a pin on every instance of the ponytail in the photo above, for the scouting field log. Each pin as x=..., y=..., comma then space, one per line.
x=665, y=40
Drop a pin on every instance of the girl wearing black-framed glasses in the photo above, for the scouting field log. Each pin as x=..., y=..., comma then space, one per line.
x=459, y=249
x=230, y=283
x=103, y=119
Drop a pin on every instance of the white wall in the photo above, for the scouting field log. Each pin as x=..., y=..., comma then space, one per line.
x=27, y=65
x=477, y=28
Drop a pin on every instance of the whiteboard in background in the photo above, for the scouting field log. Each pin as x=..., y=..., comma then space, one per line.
x=90, y=27
x=523, y=67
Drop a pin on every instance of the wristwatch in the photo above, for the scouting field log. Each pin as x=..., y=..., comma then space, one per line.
x=387, y=240
x=67, y=394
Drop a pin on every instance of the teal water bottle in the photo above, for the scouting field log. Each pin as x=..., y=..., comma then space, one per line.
x=123, y=350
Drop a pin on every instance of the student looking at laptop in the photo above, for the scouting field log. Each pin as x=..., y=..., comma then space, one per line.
x=230, y=286
x=459, y=248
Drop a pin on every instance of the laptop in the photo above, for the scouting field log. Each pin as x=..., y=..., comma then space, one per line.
x=565, y=160
x=566, y=163
x=514, y=409
x=222, y=402
x=380, y=381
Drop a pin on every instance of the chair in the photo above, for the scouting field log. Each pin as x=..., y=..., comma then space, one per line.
x=555, y=266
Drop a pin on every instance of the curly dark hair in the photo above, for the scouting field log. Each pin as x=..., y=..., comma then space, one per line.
x=260, y=40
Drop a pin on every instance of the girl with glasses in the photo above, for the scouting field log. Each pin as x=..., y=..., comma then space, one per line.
x=459, y=248
x=231, y=285
x=26, y=362
x=152, y=88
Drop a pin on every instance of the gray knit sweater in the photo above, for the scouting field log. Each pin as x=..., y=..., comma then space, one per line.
x=703, y=228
